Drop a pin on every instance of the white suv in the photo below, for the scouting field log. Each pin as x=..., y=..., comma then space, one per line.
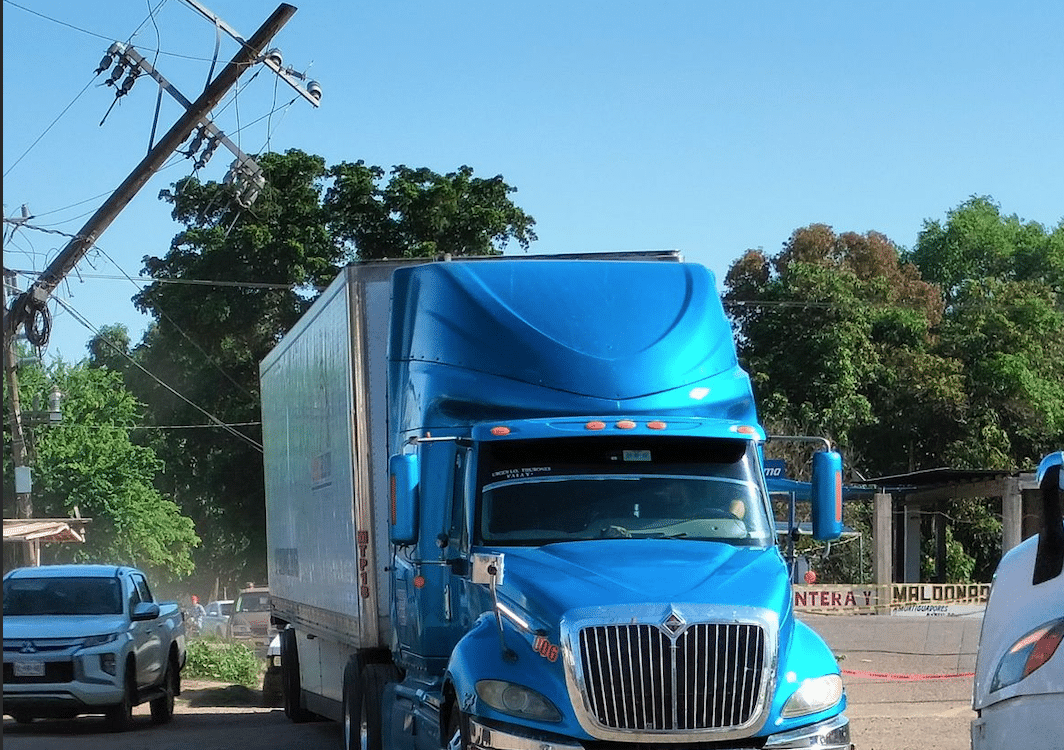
x=1019, y=673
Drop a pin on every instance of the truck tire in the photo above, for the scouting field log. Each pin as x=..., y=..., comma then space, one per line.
x=362, y=711
x=120, y=717
x=457, y=730
x=352, y=704
x=162, y=708
x=290, y=679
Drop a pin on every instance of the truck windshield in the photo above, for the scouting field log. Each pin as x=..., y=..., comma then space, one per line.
x=543, y=491
x=62, y=596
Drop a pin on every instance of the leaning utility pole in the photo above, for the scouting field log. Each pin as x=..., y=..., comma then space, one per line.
x=29, y=309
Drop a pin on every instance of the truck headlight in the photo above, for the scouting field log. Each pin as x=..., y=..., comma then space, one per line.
x=1028, y=654
x=517, y=700
x=814, y=694
x=99, y=640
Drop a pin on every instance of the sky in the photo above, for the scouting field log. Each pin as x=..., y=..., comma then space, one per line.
x=692, y=125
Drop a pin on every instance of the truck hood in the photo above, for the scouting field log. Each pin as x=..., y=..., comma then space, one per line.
x=35, y=627
x=546, y=582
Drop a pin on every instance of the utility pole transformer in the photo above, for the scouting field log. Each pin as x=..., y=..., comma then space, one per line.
x=29, y=309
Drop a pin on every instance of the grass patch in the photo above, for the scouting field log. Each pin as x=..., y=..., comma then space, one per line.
x=234, y=663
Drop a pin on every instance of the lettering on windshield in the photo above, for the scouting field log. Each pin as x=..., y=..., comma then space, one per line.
x=521, y=473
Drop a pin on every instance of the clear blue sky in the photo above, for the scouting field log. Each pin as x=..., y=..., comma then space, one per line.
x=706, y=127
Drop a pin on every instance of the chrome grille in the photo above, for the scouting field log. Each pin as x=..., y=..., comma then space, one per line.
x=639, y=678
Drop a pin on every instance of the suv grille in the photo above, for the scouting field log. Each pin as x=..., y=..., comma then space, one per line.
x=54, y=671
x=639, y=678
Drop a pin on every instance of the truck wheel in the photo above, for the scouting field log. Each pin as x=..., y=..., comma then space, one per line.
x=375, y=677
x=290, y=679
x=162, y=708
x=354, y=730
x=120, y=717
x=457, y=730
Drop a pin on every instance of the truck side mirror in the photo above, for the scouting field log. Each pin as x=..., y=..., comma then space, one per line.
x=827, y=496
x=403, y=475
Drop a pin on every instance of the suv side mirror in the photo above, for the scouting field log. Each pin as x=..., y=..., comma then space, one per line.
x=403, y=478
x=1049, y=560
x=144, y=611
x=827, y=496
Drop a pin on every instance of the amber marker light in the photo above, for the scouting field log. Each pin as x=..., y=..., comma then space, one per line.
x=595, y=426
x=656, y=425
x=500, y=431
x=746, y=429
x=626, y=424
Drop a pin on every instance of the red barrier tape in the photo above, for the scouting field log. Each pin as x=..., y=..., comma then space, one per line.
x=903, y=677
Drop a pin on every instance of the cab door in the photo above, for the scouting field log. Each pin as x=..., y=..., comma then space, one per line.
x=148, y=636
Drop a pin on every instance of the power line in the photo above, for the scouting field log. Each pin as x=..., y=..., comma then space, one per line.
x=146, y=280
x=213, y=419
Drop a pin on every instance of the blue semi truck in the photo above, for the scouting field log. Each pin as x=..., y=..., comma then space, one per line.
x=519, y=504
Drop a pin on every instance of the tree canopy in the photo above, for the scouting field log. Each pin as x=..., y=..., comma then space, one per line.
x=247, y=275
x=88, y=464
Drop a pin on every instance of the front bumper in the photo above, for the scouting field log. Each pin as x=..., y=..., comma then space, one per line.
x=71, y=686
x=1020, y=722
x=831, y=734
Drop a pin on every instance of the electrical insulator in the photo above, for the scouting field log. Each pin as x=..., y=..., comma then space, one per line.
x=196, y=142
x=116, y=48
x=119, y=70
x=127, y=84
x=208, y=152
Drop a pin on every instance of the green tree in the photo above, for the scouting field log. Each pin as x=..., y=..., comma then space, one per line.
x=419, y=213
x=1004, y=327
x=248, y=275
x=836, y=331
x=87, y=463
x=976, y=241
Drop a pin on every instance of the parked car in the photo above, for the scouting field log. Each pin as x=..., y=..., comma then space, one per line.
x=250, y=620
x=1018, y=693
x=216, y=618
x=89, y=639
x=272, y=690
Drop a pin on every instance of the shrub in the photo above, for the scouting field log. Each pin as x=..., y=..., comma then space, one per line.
x=225, y=662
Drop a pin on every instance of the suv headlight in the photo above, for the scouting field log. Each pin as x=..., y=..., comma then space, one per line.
x=517, y=700
x=814, y=694
x=99, y=640
x=1028, y=654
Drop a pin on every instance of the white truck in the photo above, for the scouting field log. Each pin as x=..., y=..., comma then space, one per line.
x=89, y=639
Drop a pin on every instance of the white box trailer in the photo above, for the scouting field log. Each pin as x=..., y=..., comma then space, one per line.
x=324, y=393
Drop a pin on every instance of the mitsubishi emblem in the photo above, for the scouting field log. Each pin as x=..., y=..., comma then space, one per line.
x=28, y=648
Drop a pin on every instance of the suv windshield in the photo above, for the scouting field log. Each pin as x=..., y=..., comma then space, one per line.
x=253, y=602
x=544, y=491
x=62, y=596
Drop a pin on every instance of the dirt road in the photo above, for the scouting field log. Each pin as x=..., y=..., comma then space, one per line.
x=207, y=716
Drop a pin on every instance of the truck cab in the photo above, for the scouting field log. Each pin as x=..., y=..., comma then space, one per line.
x=518, y=504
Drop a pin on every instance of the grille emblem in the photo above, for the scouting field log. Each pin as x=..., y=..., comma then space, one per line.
x=28, y=648
x=673, y=623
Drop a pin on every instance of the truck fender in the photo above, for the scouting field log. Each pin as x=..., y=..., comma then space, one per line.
x=807, y=655
x=479, y=655
x=476, y=650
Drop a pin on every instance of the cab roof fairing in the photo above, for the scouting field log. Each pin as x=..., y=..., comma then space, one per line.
x=472, y=342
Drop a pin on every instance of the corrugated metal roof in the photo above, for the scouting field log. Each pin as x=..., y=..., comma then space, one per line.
x=45, y=529
x=936, y=477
